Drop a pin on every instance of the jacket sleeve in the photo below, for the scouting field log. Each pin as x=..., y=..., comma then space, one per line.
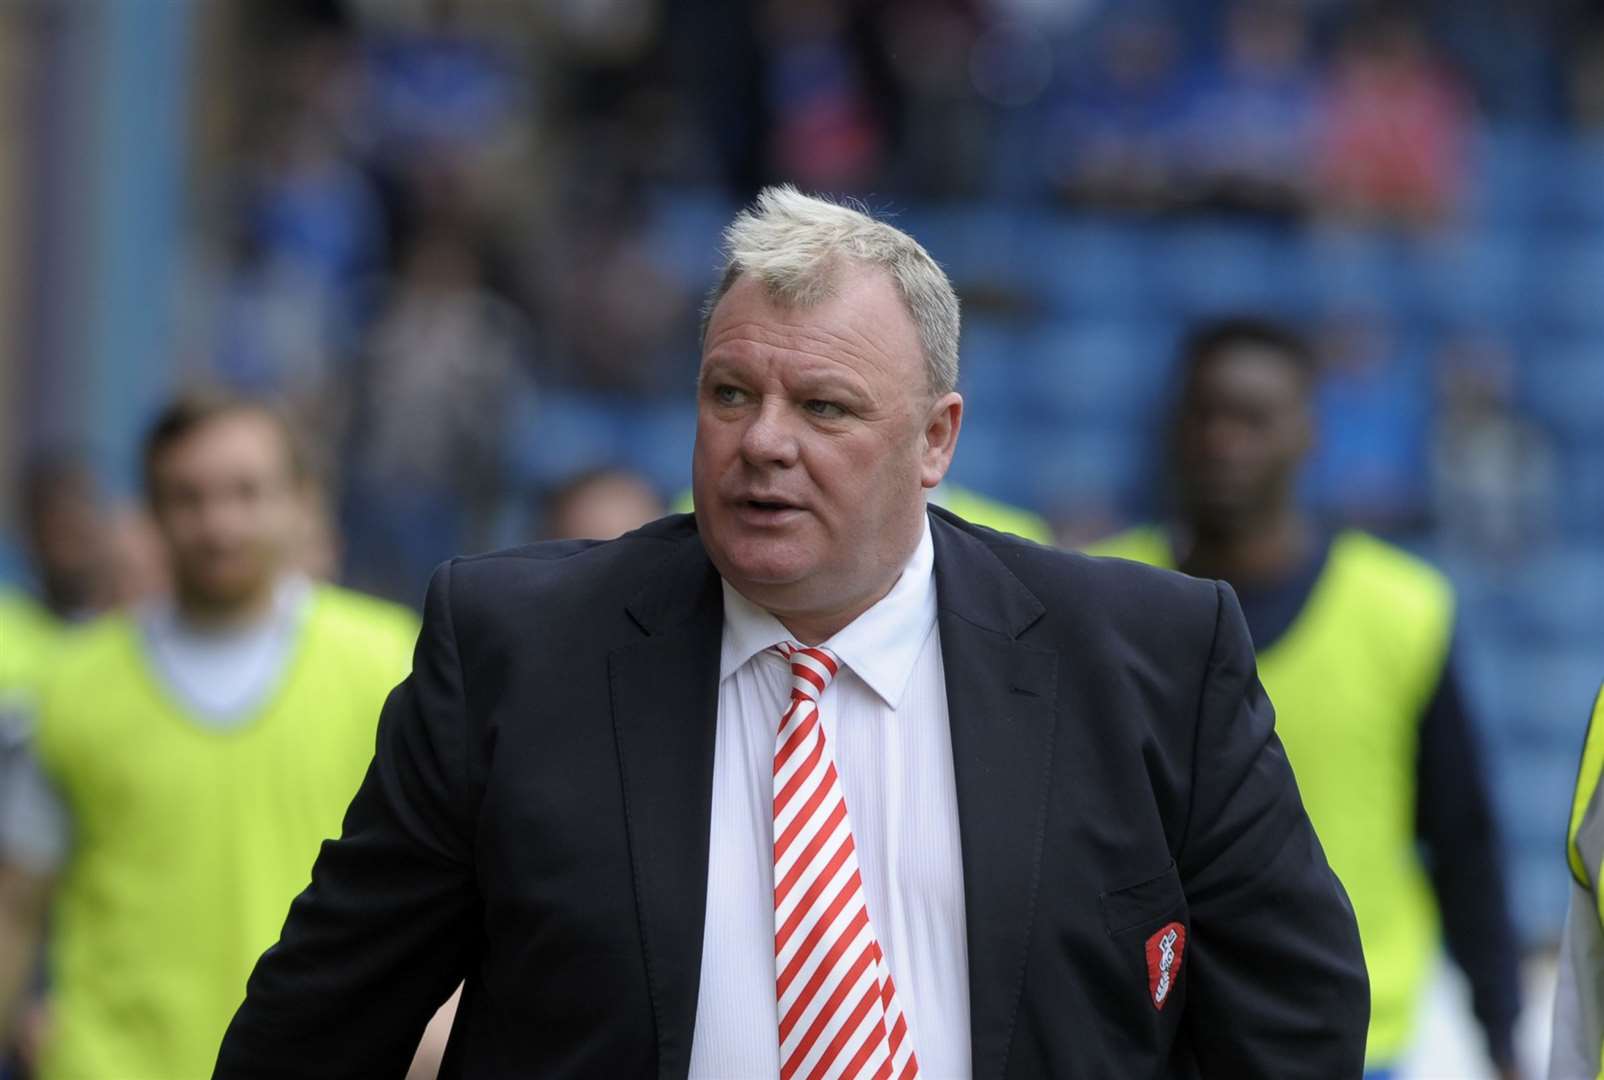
x=1277, y=979
x=384, y=932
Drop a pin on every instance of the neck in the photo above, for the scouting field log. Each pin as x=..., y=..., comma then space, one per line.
x=1267, y=549
x=210, y=613
x=813, y=628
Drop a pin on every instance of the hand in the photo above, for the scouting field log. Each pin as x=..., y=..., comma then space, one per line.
x=33, y=1028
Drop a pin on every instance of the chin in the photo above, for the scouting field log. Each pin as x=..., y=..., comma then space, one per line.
x=764, y=563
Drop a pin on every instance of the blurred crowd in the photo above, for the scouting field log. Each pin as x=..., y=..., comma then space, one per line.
x=464, y=245
x=419, y=217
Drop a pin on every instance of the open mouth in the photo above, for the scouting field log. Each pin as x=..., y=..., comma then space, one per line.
x=767, y=504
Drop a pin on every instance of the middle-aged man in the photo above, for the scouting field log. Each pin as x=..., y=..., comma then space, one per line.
x=819, y=782
x=188, y=759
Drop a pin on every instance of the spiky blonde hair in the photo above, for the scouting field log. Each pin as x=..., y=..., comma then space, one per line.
x=799, y=245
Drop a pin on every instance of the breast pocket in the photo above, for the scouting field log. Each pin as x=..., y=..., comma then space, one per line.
x=1149, y=926
x=1151, y=900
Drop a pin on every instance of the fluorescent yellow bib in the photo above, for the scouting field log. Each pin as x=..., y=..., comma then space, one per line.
x=1350, y=680
x=189, y=843
x=1586, y=854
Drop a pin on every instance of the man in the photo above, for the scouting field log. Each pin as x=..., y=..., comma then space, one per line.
x=600, y=504
x=819, y=782
x=1353, y=640
x=1578, y=1043
x=188, y=760
x=62, y=520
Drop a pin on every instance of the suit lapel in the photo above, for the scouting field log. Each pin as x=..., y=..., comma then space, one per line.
x=1001, y=696
x=665, y=715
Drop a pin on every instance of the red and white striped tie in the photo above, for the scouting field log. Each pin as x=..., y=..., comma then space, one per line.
x=839, y=1014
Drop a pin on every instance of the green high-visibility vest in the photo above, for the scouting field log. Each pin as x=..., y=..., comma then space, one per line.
x=1584, y=845
x=189, y=841
x=1350, y=680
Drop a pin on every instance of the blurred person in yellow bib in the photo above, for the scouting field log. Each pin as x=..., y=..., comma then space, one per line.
x=189, y=757
x=1354, y=644
x=1577, y=1049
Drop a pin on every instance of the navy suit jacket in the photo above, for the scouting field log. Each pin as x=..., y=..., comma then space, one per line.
x=535, y=822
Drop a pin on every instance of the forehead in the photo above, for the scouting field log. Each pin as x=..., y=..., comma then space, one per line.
x=1249, y=373
x=228, y=439
x=865, y=325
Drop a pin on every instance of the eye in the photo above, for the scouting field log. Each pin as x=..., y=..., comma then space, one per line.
x=827, y=410
x=728, y=395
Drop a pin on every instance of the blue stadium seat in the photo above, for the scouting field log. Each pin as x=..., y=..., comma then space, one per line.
x=1079, y=466
x=1574, y=176
x=559, y=433
x=980, y=245
x=1508, y=178
x=1358, y=270
x=1562, y=384
x=1476, y=278
x=684, y=233
x=1212, y=269
x=991, y=369
x=1568, y=285
x=1097, y=267
x=658, y=438
x=1109, y=369
x=993, y=459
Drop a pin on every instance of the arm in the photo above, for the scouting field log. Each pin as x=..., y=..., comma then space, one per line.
x=385, y=931
x=1456, y=827
x=24, y=897
x=1277, y=982
x=33, y=849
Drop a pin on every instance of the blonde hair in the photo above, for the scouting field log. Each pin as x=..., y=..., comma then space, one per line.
x=797, y=245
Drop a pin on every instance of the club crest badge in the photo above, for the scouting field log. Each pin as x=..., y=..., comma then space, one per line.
x=1164, y=951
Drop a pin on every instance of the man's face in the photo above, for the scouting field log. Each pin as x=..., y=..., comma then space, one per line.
x=228, y=508
x=816, y=438
x=1244, y=429
x=67, y=530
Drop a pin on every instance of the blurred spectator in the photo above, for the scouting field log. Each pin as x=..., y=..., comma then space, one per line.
x=188, y=759
x=439, y=366
x=1249, y=137
x=1584, y=82
x=827, y=96
x=1116, y=135
x=600, y=505
x=1396, y=124
x=619, y=318
x=1579, y=997
x=943, y=136
x=1494, y=475
x=65, y=521
x=1353, y=638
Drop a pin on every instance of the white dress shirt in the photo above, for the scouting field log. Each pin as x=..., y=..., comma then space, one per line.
x=885, y=719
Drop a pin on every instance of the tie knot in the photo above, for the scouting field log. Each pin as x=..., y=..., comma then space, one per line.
x=812, y=667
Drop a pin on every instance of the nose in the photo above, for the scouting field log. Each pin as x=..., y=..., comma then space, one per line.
x=769, y=438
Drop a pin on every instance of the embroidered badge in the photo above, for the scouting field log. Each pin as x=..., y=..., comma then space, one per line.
x=1164, y=951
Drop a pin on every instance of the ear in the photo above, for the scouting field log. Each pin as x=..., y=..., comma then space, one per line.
x=940, y=437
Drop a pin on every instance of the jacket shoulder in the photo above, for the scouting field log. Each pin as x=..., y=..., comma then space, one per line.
x=1135, y=601
x=564, y=582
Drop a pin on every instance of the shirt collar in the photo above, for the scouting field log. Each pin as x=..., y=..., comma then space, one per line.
x=881, y=645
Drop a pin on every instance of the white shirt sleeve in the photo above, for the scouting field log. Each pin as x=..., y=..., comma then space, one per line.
x=34, y=823
x=1579, y=997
